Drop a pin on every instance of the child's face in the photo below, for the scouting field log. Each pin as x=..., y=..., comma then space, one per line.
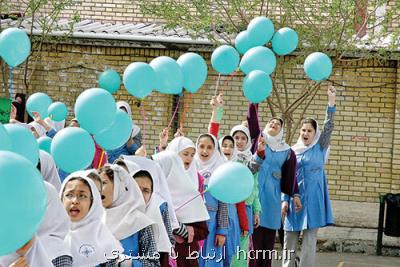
x=145, y=185
x=205, y=148
x=187, y=156
x=227, y=148
x=240, y=140
x=77, y=199
x=107, y=190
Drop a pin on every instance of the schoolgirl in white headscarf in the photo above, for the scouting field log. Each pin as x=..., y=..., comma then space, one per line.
x=89, y=239
x=125, y=214
x=54, y=228
x=48, y=169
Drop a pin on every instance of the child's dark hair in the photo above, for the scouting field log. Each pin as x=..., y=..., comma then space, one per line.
x=143, y=173
x=95, y=177
x=121, y=162
x=208, y=136
x=108, y=171
x=83, y=181
x=277, y=118
x=312, y=122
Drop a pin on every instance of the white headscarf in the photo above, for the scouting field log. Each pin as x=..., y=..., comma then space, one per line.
x=153, y=209
x=159, y=182
x=126, y=216
x=36, y=256
x=179, y=144
x=300, y=147
x=234, y=150
x=206, y=168
x=90, y=240
x=182, y=189
x=276, y=143
x=55, y=225
x=39, y=128
x=48, y=169
x=245, y=155
x=57, y=125
x=135, y=128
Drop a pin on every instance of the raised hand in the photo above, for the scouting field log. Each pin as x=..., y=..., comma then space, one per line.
x=331, y=95
x=164, y=138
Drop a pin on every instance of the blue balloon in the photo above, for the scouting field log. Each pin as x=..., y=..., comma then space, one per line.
x=169, y=76
x=318, y=66
x=23, y=201
x=258, y=58
x=257, y=86
x=45, y=143
x=285, y=41
x=139, y=79
x=57, y=111
x=194, y=69
x=117, y=134
x=242, y=42
x=15, y=46
x=110, y=80
x=232, y=182
x=95, y=110
x=73, y=149
x=260, y=31
x=38, y=102
x=23, y=142
x=5, y=140
x=225, y=59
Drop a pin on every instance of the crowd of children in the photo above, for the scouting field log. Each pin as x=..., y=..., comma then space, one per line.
x=140, y=210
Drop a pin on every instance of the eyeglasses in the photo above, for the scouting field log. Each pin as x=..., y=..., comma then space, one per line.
x=80, y=197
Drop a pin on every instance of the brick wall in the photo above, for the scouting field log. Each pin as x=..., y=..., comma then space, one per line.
x=364, y=159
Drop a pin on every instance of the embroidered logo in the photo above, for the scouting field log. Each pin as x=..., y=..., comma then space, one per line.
x=86, y=250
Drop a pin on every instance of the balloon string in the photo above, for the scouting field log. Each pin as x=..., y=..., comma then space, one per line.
x=185, y=110
x=228, y=80
x=101, y=159
x=10, y=82
x=190, y=200
x=176, y=110
x=144, y=123
x=216, y=87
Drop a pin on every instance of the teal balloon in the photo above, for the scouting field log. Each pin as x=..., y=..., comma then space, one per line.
x=117, y=134
x=45, y=143
x=23, y=201
x=169, y=76
x=15, y=46
x=194, y=69
x=110, y=80
x=23, y=142
x=225, y=59
x=285, y=41
x=257, y=86
x=242, y=42
x=95, y=110
x=38, y=102
x=73, y=149
x=318, y=66
x=232, y=182
x=57, y=111
x=260, y=31
x=139, y=79
x=258, y=58
x=5, y=140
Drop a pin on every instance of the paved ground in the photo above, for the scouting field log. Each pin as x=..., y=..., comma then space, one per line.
x=351, y=260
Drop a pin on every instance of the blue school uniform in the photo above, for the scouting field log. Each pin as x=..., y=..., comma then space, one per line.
x=210, y=254
x=269, y=187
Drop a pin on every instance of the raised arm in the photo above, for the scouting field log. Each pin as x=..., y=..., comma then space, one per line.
x=326, y=134
x=253, y=125
x=216, y=104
